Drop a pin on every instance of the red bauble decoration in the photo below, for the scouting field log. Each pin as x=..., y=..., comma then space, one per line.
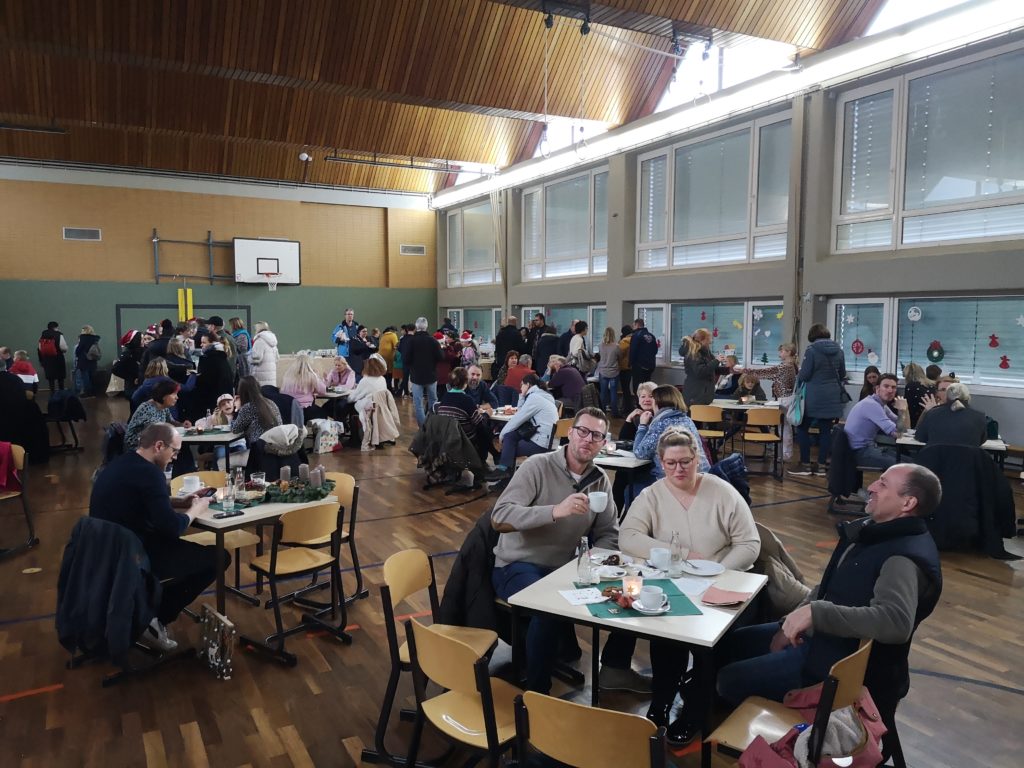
x=857, y=347
x=1004, y=362
x=993, y=341
x=703, y=315
x=714, y=333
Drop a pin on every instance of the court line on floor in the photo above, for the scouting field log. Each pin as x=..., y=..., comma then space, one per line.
x=970, y=680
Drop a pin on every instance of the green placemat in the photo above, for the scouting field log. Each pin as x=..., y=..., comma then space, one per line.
x=681, y=605
x=238, y=505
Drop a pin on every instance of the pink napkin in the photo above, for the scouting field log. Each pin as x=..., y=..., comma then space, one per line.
x=715, y=596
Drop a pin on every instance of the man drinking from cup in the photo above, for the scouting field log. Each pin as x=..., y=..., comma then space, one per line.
x=551, y=501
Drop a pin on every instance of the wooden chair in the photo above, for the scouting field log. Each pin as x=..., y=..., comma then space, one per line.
x=705, y=417
x=771, y=418
x=234, y=541
x=18, y=458
x=586, y=737
x=562, y=427
x=771, y=720
x=408, y=573
x=347, y=491
x=475, y=710
x=289, y=557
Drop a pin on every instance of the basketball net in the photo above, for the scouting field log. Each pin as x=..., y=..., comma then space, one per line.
x=271, y=278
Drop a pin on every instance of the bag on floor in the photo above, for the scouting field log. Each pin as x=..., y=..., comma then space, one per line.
x=116, y=385
x=328, y=435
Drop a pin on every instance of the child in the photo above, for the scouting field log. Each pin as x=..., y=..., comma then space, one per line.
x=221, y=417
x=22, y=368
x=468, y=355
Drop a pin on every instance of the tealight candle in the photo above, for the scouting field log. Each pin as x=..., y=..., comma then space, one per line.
x=631, y=585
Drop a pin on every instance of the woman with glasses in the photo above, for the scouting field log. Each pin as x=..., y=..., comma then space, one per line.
x=714, y=523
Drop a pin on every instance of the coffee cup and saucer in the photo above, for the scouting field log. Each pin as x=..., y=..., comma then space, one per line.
x=652, y=601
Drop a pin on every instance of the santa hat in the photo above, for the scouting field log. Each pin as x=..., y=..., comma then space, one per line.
x=466, y=336
x=127, y=338
x=153, y=329
x=439, y=336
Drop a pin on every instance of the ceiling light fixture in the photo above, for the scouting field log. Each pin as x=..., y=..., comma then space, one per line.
x=942, y=32
x=413, y=164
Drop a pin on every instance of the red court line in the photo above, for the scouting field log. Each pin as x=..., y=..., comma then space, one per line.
x=30, y=692
x=419, y=615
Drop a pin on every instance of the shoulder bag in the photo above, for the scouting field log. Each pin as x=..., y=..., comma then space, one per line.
x=795, y=411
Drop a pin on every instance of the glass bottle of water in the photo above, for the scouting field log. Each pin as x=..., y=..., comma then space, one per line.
x=239, y=482
x=675, y=566
x=583, y=568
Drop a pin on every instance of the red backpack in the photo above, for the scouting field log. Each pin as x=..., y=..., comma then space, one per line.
x=47, y=347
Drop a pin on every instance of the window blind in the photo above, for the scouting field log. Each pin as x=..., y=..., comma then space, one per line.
x=567, y=228
x=863, y=323
x=653, y=202
x=711, y=188
x=773, y=174
x=867, y=154
x=725, y=321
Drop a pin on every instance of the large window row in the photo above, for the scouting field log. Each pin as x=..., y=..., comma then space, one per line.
x=980, y=339
x=565, y=227
x=716, y=200
x=472, y=256
x=932, y=157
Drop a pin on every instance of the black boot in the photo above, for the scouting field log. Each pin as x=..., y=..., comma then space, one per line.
x=659, y=713
x=681, y=731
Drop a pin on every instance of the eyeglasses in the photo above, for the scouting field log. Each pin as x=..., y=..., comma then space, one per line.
x=671, y=464
x=593, y=435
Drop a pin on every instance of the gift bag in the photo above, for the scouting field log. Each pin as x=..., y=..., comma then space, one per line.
x=327, y=435
x=116, y=385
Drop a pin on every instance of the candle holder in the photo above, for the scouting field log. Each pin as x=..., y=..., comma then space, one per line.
x=631, y=585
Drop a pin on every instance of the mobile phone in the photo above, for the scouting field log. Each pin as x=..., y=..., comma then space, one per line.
x=204, y=492
x=232, y=513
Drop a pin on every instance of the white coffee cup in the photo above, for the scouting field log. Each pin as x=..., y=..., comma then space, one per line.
x=598, y=501
x=651, y=597
x=190, y=484
x=660, y=558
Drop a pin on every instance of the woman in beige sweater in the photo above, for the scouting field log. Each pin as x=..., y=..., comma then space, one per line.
x=714, y=523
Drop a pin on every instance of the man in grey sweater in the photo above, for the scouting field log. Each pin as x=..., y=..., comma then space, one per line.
x=541, y=516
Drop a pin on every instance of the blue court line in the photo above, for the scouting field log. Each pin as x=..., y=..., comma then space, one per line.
x=969, y=680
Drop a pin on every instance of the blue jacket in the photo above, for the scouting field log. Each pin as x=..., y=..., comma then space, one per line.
x=645, y=444
x=351, y=330
x=643, y=350
x=823, y=367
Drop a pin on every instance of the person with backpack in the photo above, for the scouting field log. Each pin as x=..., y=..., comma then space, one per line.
x=87, y=355
x=52, y=348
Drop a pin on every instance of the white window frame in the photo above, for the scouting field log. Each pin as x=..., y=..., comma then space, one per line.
x=890, y=340
x=496, y=273
x=896, y=212
x=455, y=314
x=591, y=251
x=497, y=319
x=664, y=333
x=595, y=338
x=526, y=314
x=753, y=231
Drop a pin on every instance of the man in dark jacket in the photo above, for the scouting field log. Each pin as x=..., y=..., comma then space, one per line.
x=547, y=345
x=566, y=339
x=538, y=328
x=478, y=389
x=132, y=491
x=420, y=362
x=507, y=340
x=643, y=352
x=52, y=348
x=883, y=580
x=402, y=386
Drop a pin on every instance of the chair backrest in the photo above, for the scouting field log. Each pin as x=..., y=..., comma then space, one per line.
x=849, y=674
x=406, y=573
x=309, y=523
x=706, y=414
x=562, y=427
x=445, y=660
x=585, y=737
x=18, y=457
x=345, y=489
x=764, y=417
x=210, y=478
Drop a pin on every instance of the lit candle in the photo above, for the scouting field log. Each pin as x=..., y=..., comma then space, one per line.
x=631, y=585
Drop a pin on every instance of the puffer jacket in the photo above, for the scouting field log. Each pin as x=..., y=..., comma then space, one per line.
x=823, y=367
x=264, y=357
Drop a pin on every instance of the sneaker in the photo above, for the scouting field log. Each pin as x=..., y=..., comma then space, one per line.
x=821, y=471
x=804, y=470
x=498, y=473
x=155, y=636
x=612, y=679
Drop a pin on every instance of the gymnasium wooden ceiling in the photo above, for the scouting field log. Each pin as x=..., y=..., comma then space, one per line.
x=240, y=87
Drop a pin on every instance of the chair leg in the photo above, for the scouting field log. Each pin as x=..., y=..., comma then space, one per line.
x=237, y=589
x=361, y=591
x=31, y=541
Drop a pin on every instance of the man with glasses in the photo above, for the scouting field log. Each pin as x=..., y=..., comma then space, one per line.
x=541, y=516
x=132, y=491
x=929, y=401
x=345, y=331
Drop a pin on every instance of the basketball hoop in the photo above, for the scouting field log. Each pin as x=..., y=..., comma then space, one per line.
x=271, y=278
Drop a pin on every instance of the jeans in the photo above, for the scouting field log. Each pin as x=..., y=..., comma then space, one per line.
x=418, y=391
x=875, y=456
x=803, y=436
x=512, y=446
x=190, y=568
x=750, y=669
x=544, y=633
x=610, y=394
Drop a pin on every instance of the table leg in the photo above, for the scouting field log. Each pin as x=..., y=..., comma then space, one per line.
x=221, y=565
x=704, y=669
x=227, y=459
x=595, y=668
x=518, y=668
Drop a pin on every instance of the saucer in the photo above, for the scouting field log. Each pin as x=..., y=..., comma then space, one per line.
x=610, y=572
x=656, y=612
x=703, y=568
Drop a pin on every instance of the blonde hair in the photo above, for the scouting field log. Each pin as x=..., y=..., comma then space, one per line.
x=301, y=377
x=260, y=325
x=676, y=438
x=646, y=388
x=789, y=347
x=236, y=323
x=20, y=354
x=749, y=380
x=176, y=347
x=609, y=336
x=914, y=372
x=696, y=341
x=157, y=367
x=343, y=361
x=88, y=329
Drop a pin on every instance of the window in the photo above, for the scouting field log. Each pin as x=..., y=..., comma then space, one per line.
x=721, y=199
x=953, y=133
x=977, y=338
x=565, y=227
x=471, y=252
x=597, y=321
x=654, y=316
x=764, y=322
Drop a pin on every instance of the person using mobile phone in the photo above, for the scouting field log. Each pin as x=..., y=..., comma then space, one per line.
x=132, y=491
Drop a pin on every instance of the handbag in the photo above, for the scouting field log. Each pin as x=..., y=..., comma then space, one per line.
x=527, y=430
x=94, y=353
x=795, y=411
x=844, y=396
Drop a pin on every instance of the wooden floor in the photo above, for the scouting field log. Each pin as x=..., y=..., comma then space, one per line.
x=966, y=706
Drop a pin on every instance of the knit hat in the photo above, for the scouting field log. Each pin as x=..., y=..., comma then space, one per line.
x=127, y=338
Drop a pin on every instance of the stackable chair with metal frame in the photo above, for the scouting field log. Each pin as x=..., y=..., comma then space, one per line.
x=18, y=458
x=585, y=737
x=562, y=427
x=771, y=720
x=475, y=710
x=771, y=418
x=347, y=491
x=288, y=558
x=704, y=415
x=407, y=573
x=234, y=541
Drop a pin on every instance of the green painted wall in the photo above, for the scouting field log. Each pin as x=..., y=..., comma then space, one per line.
x=301, y=316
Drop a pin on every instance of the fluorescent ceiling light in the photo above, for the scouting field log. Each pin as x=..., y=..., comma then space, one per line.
x=956, y=27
